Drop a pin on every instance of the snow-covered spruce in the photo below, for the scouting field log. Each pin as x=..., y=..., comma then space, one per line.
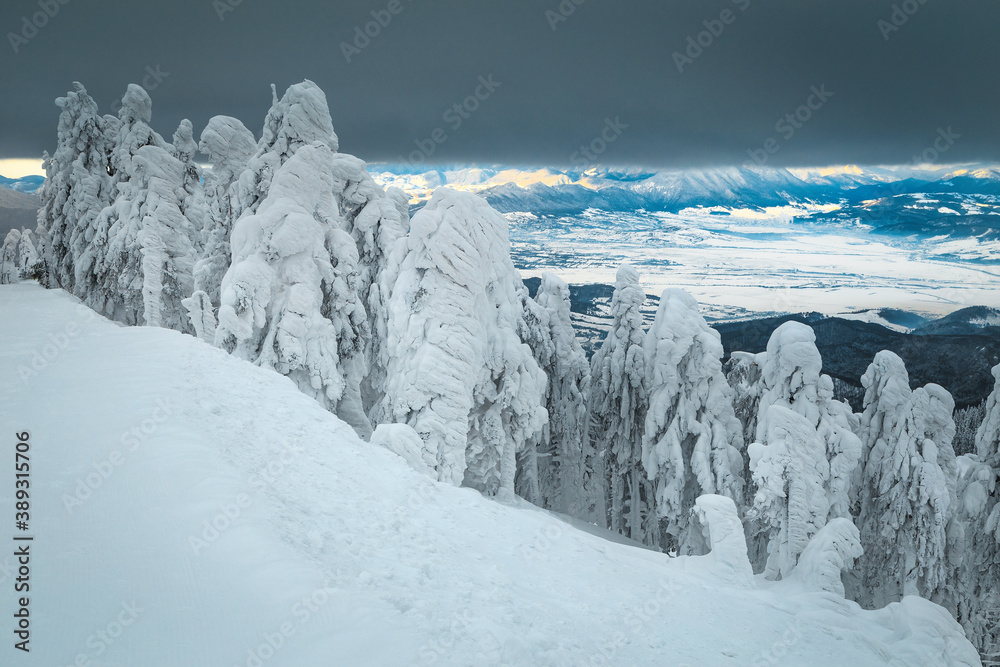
x=229, y=145
x=8, y=258
x=290, y=299
x=977, y=597
x=692, y=440
x=42, y=271
x=301, y=117
x=565, y=464
x=790, y=473
x=534, y=332
x=193, y=205
x=376, y=220
x=617, y=409
x=108, y=267
x=830, y=552
x=77, y=185
x=904, y=492
x=744, y=372
x=791, y=377
x=27, y=256
x=138, y=267
x=457, y=372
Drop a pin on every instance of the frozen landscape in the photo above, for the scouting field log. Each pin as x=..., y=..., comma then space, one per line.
x=750, y=243
x=166, y=485
x=515, y=334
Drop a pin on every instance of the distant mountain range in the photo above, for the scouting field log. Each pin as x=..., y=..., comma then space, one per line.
x=549, y=191
x=28, y=184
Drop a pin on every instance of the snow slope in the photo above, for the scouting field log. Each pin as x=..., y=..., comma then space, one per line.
x=333, y=551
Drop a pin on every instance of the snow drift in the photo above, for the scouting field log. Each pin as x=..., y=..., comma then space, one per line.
x=231, y=520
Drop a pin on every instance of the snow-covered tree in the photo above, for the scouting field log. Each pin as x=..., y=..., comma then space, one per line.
x=617, y=409
x=933, y=410
x=8, y=258
x=376, y=223
x=790, y=473
x=108, y=275
x=301, y=117
x=229, y=146
x=904, y=492
x=290, y=299
x=77, y=185
x=193, y=205
x=27, y=255
x=744, y=373
x=457, y=372
x=42, y=270
x=138, y=268
x=692, y=440
x=837, y=429
x=791, y=378
x=791, y=372
x=978, y=597
x=988, y=433
x=566, y=472
x=831, y=551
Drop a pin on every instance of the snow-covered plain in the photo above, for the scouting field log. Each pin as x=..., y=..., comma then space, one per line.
x=189, y=508
x=740, y=262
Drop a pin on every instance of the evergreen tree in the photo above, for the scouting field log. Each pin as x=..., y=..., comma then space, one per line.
x=457, y=371
x=904, y=492
x=692, y=439
x=618, y=402
x=566, y=471
x=290, y=300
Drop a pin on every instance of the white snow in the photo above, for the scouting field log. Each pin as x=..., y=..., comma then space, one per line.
x=231, y=520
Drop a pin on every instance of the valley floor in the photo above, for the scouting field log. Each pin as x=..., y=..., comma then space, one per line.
x=232, y=521
x=741, y=263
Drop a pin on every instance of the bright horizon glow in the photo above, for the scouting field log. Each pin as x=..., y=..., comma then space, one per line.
x=20, y=167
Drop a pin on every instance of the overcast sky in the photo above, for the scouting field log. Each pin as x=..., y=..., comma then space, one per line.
x=561, y=75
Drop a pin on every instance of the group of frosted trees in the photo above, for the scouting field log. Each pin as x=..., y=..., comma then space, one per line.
x=804, y=471
x=421, y=335
x=288, y=254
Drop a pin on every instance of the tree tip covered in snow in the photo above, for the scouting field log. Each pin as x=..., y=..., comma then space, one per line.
x=226, y=141
x=300, y=117
x=136, y=105
x=831, y=551
x=721, y=538
x=403, y=441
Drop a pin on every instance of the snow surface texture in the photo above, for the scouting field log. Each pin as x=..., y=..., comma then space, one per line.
x=234, y=514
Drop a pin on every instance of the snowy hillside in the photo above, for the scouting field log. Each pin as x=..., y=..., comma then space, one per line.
x=189, y=508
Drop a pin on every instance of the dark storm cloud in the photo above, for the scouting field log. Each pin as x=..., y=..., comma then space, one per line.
x=564, y=70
